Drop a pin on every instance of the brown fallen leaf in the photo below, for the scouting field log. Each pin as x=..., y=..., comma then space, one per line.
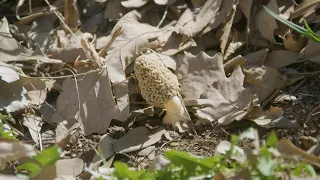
x=281, y=58
x=191, y=26
x=34, y=124
x=71, y=15
x=114, y=10
x=286, y=8
x=305, y=8
x=136, y=139
x=263, y=80
x=311, y=51
x=89, y=101
x=256, y=58
x=226, y=27
x=265, y=23
x=204, y=83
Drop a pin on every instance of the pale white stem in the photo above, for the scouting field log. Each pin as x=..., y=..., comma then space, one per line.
x=176, y=111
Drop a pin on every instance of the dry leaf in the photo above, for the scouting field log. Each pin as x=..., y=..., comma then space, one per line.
x=137, y=138
x=12, y=50
x=224, y=13
x=114, y=10
x=281, y=58
x=8, y=75
x=13, y=96
x=233, y=63
x=262, y=118
x=62, y=169
x=34, y=124
x=235, y=45
x=11, y=150
x=204, y=83
x=245, y=6
x=265, y=23
x=37, y=90
x=311, y=51
x=286, y=8
x=256, y=58
x=71, y=15
x=177, y=43
x=226, y=28
x=305, y=8
x=97, y=105
x=190, y=26
x=263, y=80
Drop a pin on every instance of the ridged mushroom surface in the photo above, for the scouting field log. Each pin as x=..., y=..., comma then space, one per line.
x=157, y=83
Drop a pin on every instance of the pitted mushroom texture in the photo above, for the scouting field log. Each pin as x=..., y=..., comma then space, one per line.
x=157, y=83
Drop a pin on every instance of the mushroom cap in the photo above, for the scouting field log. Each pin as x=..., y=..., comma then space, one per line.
x=157, y=83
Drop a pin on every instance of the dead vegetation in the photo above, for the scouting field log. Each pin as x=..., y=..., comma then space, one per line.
x=67, y=78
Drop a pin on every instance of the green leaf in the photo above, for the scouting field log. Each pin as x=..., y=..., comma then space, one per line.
x=122, y=171
x=48, y=156
x=272, y=140
x=32, y=169
x=191, y=163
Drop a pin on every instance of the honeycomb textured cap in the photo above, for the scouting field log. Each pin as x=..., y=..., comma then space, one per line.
x=157, y=83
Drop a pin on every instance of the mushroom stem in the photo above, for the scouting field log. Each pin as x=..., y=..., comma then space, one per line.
x=176, y=111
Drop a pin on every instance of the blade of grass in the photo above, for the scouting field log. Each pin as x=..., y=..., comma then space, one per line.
x=305, y=32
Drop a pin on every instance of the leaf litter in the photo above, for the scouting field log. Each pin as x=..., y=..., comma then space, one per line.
x=74, y=82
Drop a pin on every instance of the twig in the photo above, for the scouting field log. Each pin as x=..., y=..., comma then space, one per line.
x=313, y=113
x=163, y=17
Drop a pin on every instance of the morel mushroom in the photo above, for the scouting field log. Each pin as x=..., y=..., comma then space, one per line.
x=160, y=88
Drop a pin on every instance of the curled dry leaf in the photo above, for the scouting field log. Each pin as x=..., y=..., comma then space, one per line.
x=226, y=27
x=204, y=83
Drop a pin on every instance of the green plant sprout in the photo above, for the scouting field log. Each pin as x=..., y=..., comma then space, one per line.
x=40, y=161
x=308, y=33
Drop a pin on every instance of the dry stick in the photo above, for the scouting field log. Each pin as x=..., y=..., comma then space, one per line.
x=313, y=113
x=116, y=33
x=163, y=17
x=60, y=18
